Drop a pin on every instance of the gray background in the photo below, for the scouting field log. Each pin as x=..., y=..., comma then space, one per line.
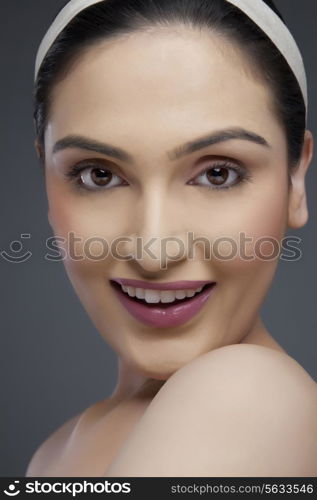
x=53, y=362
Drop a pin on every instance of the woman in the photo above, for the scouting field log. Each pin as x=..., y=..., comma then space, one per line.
x=174, y=144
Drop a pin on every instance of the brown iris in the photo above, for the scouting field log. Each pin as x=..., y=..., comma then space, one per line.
x=101, y=177
x=217, y=175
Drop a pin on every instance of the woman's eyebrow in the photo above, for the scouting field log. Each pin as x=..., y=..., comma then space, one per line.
x=81, y=142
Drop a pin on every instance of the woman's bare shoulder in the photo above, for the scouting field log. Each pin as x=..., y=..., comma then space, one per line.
x=220, y=411
x=50, y=448
x=53, y=446
x=245, y=362
x=248, y=370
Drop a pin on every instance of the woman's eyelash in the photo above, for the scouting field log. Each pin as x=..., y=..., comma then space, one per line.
x=243, y=174
x=75, y=171
x=74, y=174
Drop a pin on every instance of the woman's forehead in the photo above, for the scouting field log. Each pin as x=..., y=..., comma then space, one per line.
x=160, y=78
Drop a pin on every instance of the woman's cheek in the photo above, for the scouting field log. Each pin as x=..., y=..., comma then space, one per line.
x=81, y=228
x=252, y=235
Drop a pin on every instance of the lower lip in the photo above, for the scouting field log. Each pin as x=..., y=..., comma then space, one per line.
x=168, y=316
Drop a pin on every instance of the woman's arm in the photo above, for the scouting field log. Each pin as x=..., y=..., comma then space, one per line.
x=240, y=410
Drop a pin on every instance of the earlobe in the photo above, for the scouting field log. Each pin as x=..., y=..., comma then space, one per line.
x=297, y=205
x=38, y=148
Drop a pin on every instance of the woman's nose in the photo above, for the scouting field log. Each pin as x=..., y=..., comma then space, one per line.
x=156, y=236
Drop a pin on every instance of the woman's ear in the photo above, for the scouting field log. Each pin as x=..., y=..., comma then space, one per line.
x=38, y=148
x=297, y=204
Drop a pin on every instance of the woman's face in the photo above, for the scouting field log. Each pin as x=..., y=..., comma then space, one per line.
x=147, y=94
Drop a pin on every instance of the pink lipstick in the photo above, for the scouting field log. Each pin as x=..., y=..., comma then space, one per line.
x=163, y=314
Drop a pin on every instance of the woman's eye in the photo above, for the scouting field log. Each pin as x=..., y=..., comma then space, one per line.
x=221, y=176
x=95, y=177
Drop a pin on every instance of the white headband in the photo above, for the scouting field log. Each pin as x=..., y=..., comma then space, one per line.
x=257, y=10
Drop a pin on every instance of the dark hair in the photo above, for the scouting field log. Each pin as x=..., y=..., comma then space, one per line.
x=112, y=18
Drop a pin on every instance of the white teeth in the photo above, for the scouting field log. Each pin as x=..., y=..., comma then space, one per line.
x=155, y=296
x=180, y=294
x=152, y=296
x=131, y=291
x=140, y=293
x=168, y=296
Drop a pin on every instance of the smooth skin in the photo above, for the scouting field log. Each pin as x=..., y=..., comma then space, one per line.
x=217, y=396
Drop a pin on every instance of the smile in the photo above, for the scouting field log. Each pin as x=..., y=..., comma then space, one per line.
x=155, y=296
x=163, y=307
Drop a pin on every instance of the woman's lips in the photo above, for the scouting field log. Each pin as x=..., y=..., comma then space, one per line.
x=167, y=314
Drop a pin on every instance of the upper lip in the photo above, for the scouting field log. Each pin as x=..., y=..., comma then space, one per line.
x=172, y=285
